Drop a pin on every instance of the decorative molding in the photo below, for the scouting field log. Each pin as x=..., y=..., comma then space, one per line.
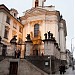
x=39, y=11
x=32, y=23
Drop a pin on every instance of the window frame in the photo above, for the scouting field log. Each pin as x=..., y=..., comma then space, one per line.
x=36, y=29
x=6, y=33
x=8, y=20
x=20, y=29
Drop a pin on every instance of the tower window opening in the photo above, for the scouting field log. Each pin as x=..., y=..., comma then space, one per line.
x=36, y=3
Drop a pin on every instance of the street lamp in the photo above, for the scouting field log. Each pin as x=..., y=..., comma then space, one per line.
x=72, y=54
x=50, y=64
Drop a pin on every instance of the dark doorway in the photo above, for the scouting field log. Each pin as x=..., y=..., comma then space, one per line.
x=35, y=52
x=4, y=48
x=13, y=68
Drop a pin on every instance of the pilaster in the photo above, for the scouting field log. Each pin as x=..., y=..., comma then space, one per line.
x=48, y=47
x=28, y=47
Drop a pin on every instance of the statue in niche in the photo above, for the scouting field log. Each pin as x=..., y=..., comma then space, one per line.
x=36, y=40
x=39, y=38
x=39, y=35
x=28, y=37
x=45, y=35
x=49, y=35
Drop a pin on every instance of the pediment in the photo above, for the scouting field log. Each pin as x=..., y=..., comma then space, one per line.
x=38, y=11
x=35, y=12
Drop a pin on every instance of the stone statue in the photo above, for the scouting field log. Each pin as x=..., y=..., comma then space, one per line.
x=49, y=35
x=28, y=37
x=61, y=17
x=39, y=35
x=31, y=35
x=45, y=35
x=13, y=40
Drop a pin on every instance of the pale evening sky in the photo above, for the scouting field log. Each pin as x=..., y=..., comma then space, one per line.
x=66, y=8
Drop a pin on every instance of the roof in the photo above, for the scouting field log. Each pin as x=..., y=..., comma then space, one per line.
x=3, y=7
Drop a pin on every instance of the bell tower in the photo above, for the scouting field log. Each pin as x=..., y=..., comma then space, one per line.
x=37, y=3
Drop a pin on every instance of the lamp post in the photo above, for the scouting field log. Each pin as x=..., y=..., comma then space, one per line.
x=72, y=54
x=50, y=64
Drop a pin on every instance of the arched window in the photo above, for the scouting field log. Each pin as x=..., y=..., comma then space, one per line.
x=36, y=29
x=36, y=3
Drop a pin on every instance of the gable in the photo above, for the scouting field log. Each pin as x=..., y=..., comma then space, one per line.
x=38, y=11
x=35, y=12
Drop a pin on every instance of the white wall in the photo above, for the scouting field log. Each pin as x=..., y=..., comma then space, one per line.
x=1, y=23
x=47, y=23
x=62, y=38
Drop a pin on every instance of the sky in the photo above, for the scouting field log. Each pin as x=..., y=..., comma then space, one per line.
x=66, y=8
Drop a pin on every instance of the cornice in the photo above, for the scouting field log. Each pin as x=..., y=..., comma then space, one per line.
x=39, y=11
x=2, y=6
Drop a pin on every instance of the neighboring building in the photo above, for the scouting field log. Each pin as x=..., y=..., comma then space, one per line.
x=41, y=32
x=9, y=26
x=62, y=38
x=69, y=58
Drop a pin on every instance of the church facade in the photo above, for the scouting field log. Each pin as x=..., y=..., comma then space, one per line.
x=41, y=19
x=42, y=39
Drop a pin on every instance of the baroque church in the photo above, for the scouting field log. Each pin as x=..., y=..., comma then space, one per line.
x=44, y=48
x=38, y=21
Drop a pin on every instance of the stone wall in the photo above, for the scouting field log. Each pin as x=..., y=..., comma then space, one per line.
x=4, y=67
x=24, y=67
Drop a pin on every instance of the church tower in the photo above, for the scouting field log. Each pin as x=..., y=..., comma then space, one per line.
x=37, y=3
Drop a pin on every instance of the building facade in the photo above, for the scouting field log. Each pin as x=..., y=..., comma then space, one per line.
x=9, y=26
x=41, y=19
x=41, y=36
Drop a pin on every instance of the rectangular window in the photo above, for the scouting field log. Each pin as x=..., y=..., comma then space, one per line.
x=6, y=33
x=8, y=20
x=15, y=25
x=36, y=3
x=36, y=29
x=20, y=29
